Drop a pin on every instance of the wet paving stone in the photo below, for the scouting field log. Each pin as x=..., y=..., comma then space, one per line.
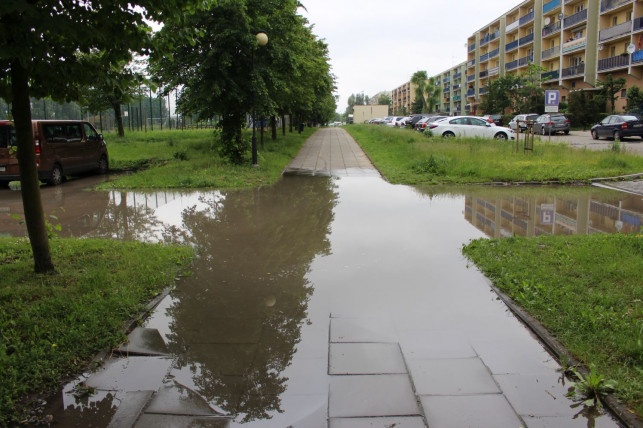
x=365, y=358
x=479, y=411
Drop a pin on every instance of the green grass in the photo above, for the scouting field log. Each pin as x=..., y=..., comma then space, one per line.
x=408, y=157
x=52, y=326
x=190, y=159
x=586, y=290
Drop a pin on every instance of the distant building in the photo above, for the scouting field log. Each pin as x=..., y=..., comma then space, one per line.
x=362, y=114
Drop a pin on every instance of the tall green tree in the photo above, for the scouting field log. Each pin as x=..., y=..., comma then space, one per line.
x=419, y=80
x=223, y=71
x=609, y=88
x=635, y=100
x=40, y=43
x=433, y=92
x=502, y=94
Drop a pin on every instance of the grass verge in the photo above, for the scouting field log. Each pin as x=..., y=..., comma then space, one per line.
x=586, y=290
x=55, y=324
x=190, y=159
x=409, y=157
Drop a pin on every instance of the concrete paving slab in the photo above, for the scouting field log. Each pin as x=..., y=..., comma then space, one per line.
x=131, y=374
x=296, y=411
x=365, y=358
x=397, y=422
x=452, y=376
x=565, y=422
x=307, y=376
x=176, y=399
x=130, y=408
x=471, y=411
x=372, y=395
x=435, y=344
x=361, y=330
x=144, y=341
x=536, y=395
x=525, y=357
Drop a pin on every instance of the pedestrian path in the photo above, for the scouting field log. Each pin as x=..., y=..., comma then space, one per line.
x=332, y=151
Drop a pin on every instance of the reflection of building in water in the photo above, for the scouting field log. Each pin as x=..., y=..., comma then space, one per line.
x=532, y=215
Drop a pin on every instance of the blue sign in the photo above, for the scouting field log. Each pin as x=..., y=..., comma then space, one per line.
x=552, y=98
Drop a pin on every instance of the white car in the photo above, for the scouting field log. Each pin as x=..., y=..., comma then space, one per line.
x=470, y=127
x=394, y=120
x=522, y=119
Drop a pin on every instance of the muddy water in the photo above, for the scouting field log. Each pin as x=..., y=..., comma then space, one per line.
x=283, y=271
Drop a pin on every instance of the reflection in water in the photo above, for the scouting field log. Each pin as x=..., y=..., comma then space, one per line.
x=502, y=212
x=236, y=321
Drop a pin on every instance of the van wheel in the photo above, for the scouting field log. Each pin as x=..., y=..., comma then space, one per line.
x=57, y=177
x=103, y=165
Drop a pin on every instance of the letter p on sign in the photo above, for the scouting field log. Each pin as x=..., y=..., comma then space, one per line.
x=552, y=99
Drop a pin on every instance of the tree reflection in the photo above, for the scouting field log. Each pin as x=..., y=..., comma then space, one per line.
x=237, y=318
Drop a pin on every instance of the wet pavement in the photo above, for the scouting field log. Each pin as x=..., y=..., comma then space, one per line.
x=335, y=299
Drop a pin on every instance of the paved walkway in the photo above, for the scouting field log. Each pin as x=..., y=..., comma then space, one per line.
x=432, y=375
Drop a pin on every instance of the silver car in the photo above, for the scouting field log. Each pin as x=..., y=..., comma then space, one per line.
x=522, y=120
x=549, y=124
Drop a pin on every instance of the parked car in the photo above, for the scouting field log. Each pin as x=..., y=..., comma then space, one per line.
x=549, y=124
x=377, y=121
x=470, y=126
x=422, y=124
x=522, y=119
x=415, y=118
x=63, y=147
x=618, y=126
x=394, y=120
x=494, y=118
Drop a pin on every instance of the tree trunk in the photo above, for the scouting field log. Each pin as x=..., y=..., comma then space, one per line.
x=273, y=127
x=118, y=114
x=283, y=125
x=29, y=183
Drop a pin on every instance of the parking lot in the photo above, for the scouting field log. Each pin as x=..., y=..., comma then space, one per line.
x=583, y=139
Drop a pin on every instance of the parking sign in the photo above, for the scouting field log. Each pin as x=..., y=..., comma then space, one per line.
x=552, y=99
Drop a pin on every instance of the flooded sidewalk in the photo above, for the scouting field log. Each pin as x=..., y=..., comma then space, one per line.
x=332, y=299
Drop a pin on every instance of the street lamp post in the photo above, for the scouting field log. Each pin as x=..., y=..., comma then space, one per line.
x=262, y=40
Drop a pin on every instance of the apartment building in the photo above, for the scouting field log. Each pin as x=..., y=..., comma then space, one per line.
x=402, y=98
x=453, y=85
x=577, y=42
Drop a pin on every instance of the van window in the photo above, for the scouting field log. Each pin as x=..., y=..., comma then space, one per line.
x=63, y=132
x=7, y=136
x=90, y=132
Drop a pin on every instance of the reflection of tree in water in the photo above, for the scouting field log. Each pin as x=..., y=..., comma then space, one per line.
x=129, y=218
x=239, y=315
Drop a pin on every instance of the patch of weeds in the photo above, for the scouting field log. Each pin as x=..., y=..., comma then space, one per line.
x=591, y=388
x=435, y=165
x=613, y=162
x=181, y=155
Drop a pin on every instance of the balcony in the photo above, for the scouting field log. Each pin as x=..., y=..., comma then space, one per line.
x=551, y=29
x=576, y=70
x=551, y=52
x=526, y=39
x=511, y=65
x=637, y=57
x=484, y=57
x=613, y=4
x=574, y=45
x=512, y=45
x=457, y=98
x=483, y=73
x=526, y=18
x=512, y=26
x=471, y=93
x=457, y=75
x=446, y=89
x=471, y=63
x=574, y=19
x=615, y=31
x=550, y=75
x=456, y=87
x=617, y=61
x=494, y=71
x=550, y=5
x=637, y=24
x=472, y=47
x=525, y=60
x=446, y=79
x=482, y=91
x=494, y=53
x=471, y=77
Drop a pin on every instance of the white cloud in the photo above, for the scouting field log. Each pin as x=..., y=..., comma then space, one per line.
x=377, y=45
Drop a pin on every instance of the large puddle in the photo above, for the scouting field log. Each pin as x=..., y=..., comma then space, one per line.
x=284, y=271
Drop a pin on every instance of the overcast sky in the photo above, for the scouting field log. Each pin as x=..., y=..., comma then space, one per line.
x=377, y=45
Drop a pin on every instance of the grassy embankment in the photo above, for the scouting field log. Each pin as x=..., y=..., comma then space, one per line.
x=586, y=290
x=52, y=326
